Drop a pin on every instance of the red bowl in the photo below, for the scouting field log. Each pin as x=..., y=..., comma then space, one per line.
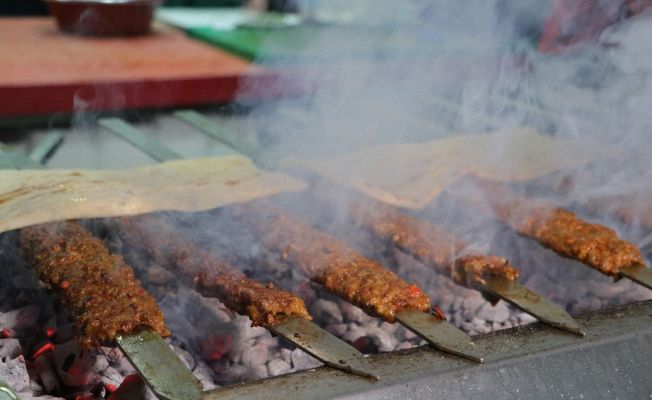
x=104, y=17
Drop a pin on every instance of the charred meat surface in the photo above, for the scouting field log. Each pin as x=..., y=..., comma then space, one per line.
x=265, y=304
x=561, y=230
x=99, y=289
x=331, y=262
x=427, y=243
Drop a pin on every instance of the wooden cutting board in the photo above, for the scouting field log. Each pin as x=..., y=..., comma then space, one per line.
x=45, y=71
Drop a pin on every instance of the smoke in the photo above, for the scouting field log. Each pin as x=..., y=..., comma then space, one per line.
x=413, y=71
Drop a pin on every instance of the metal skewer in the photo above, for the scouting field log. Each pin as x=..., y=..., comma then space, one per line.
x=436, y=331
x=440, y=334
x=6, y=393
x=530, y=302
x=638, y=273
x=325, y=347
x=302, y=333
x=151, y=356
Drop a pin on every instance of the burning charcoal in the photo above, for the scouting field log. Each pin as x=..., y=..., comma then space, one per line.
x=404, y=334
x=65, y=332
x=247, y=331
x=111, y=376
x=186, y=357
x=205, y=375
x=278, y=367
x=149, y=395
x=112, y=354
x=286, y=354
x=30, y=396
x=19, y=319
x=35, y=387
x=217, y=308
x=327, y=312
x=470, y=306
x=337, y=329
x=389, y=328
x=382, y=340
x=101, y=364
x=46, y=373
x=354, y=314
x=124, y=366
x=258, y=372
x=215, y=346
x=301, y=361
x=476, y=325
x=232, y=373
x=14, y=372
x=131, y=388
x=73, y=364
x=10, y=348
x=255, y=356
x=498, y=313
x=524, y=319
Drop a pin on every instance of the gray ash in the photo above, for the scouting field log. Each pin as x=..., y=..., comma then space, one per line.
x=39, y=356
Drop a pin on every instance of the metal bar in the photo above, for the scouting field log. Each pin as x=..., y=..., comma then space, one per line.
x=214, y=131
x=12, y=160
x=6, y=393
x=528, y=362
x=530, y=302
x=639, y=274
x=325, y=347
x=138, y=139
x=46, y=147
x=160, y=370
x=319, y=343
x=440, y=334
x=159, y=366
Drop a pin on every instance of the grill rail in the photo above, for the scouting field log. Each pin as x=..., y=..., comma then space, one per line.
x=530, y=362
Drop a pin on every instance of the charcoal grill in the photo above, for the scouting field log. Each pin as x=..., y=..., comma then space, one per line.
x=534, y=361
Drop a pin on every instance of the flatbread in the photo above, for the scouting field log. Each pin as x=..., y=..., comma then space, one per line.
x=412, y=175
x=29, y=197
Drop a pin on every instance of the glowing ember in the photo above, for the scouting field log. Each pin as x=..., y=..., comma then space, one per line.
x=215, y=346
x=42, y=350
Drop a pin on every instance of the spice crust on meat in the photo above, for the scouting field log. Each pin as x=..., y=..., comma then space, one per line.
x=331, y=262
x=265, y=304
x=428, y=243
x=562, y=231
x=100, y=290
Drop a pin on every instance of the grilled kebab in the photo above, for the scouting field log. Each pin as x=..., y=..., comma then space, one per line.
x=331, y=262
x=561, y=230
x=265, y=304
x=99, y=288
x=426, y=242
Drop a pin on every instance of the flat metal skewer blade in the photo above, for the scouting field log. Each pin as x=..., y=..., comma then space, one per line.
x=160, y=368
x=6, y=393
x=441, y=334
x=325, y=347
x=532, y=303
x=638, y=273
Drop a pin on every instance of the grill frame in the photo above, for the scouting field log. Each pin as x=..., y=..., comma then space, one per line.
x=529, y=362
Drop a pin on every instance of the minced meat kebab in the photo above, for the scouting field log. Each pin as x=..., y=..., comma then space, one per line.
x=426, y=242
x=265, y=304
x=100, y=290
x=331, y=262
x=561, y=230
